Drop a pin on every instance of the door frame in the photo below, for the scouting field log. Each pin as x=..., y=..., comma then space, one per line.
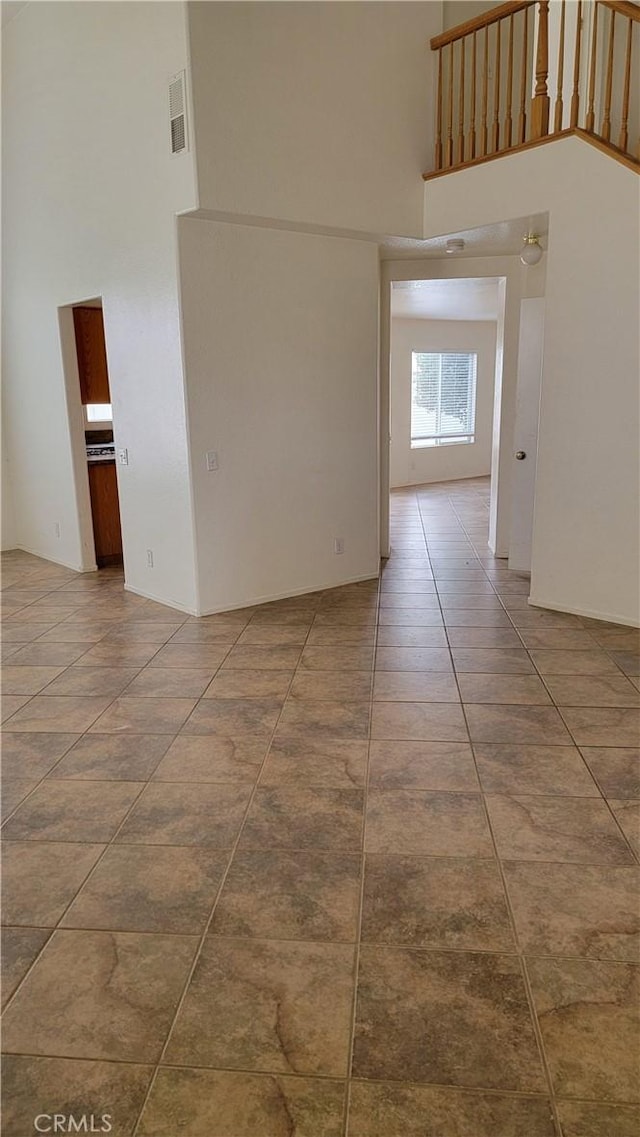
x=531, y=338
x=506, y=269
x=75, y=417
x=76, y=420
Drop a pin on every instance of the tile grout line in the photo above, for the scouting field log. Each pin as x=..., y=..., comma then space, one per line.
x=292, y=849
x=57, y=926
x=54, y=927
x=522, y=1095
x=635, y=857
x=88, y=731
x=420, y=949
x=514, y=931
x=371, y=707
x=39, y=640
x=603, y=797
x=572, y=735
x=107, y=845
x=198, y=952
x=363, y=866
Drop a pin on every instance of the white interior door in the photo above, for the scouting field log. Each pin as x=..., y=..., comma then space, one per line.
x=530, y=350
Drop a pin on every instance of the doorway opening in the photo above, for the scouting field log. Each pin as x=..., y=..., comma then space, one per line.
x=443, y=351
x=445, y=358
x=97, y=423
x=461, y=361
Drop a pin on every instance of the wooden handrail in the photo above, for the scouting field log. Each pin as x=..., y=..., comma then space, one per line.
x=623, y=8
x=502, y=68
x=479, y=22
x=613, y=151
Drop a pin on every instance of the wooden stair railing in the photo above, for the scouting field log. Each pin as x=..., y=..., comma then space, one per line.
x=493, y=89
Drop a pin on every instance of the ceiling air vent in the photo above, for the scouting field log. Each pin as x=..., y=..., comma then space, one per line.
x=178, y=113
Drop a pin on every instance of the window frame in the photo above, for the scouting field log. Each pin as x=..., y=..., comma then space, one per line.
x=427, y=442
x=97, y=423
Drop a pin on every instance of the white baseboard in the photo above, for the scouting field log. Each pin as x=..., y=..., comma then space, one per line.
x=54, y=560
x=588, y=613
x=439, y=481
x=499, y=556
x=235, y=607
x=160, y=600
x=268, y=599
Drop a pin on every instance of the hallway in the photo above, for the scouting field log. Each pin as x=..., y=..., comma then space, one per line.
x=214, y=825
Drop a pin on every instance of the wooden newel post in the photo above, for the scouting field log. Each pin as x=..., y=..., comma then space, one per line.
x=541, y=100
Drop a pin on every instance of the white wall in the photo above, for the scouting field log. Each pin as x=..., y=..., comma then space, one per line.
x=440, y=463
x=90, y=192
x=7, y=516
x=280, y=335
x=459, y=11
x=315, y=112
x=586, y=530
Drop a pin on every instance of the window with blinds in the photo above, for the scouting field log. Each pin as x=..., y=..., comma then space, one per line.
x=443, y=397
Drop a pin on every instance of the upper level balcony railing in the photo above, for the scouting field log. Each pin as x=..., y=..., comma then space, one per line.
x=530, y=70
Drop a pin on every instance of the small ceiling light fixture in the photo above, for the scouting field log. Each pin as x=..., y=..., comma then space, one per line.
x=532, y=251
x=454, y=245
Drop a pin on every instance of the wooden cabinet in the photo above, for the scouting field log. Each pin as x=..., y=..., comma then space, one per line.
x=103, y=487
x=92, y=355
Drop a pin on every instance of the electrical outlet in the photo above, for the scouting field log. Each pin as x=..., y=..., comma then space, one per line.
x=56, y=529
x=149, y=558
x=338, y=545
x=212, y=459
x=123, y=456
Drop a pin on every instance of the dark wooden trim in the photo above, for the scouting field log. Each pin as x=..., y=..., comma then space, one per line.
x=624, y=8
x=606, y=147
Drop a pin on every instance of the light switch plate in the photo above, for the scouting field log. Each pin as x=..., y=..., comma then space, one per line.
x=123, y=456
x=212, y=459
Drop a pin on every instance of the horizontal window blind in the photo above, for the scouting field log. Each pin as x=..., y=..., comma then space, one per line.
x=443, y=397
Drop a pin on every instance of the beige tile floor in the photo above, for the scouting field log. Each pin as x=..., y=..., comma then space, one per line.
x=362, y=862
